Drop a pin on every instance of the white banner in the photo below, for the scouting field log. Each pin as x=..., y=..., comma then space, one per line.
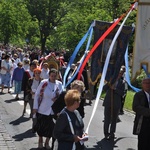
x=141, y=52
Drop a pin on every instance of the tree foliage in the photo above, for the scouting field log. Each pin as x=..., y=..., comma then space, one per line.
x=48, y=14
x=55, y=23
x=14, y=20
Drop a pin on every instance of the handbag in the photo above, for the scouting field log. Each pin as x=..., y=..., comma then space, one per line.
x=137, y=125
x=36, y=124
x=59, y=104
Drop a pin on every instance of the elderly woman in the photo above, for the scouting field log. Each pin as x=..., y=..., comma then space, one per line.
x=17, y=78
x=45, y=71
x=46, y=94
x=69, y=125
x=60, y=103
x=6, y=68
x=26, y=76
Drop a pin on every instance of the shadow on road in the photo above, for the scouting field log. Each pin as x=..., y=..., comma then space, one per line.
x=37, y=149
x=105, y=144
x=12, y=100
x=19, y=120
x=26, y=134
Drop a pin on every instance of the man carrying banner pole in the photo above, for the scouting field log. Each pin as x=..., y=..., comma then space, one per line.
x=112, y=105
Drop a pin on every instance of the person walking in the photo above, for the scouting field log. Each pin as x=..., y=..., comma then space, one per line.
x=60, y=102
x=46, y=94
x=6, y=68
x=141, y=107
x=69, y=128
x=32, y=86
x=26, y=76
x=45, y=71
x=17, y=78
x=123, y=69
x=112, y=105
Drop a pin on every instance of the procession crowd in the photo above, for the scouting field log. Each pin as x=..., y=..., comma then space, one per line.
x=42, y=88
x=57, y=113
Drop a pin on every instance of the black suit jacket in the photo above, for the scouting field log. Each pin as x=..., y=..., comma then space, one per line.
x=142, y=111
x=62, y=131
x=25, y=79
x=115, y=95
x=59, y=104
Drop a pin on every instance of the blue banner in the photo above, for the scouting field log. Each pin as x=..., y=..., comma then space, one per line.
x=118, y=52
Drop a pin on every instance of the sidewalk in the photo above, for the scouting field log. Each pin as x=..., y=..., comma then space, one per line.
x=6, y=142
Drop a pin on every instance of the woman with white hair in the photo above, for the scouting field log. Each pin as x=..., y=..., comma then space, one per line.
x=6, y=68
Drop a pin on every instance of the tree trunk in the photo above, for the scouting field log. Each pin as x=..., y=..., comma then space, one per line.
x=43, y=42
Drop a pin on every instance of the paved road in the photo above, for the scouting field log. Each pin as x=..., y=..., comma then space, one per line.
x=15, y=131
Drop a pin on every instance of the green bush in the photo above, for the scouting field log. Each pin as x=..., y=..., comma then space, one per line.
x=137, y=82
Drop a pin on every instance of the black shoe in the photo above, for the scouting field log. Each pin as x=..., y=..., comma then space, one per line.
x=110, y=137
x=118, y=120
x=121, y=113
x=107, y=136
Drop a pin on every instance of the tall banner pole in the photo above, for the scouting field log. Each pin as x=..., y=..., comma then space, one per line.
x=106, y=65
x=101, y=40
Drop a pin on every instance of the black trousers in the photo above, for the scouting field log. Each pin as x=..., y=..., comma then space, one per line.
x=144, y=136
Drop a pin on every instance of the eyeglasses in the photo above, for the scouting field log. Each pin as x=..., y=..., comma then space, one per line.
x=37, y=73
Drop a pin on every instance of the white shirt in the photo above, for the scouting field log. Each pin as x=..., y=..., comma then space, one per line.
x=148, y=98
x=30, y=72
x=26, y=67
x=12, y=70
x=17, y=60
x=34, y=86
x=44, y=73
x=25, y=58
x=5, y=64
x=49, y=93
x=1, y=55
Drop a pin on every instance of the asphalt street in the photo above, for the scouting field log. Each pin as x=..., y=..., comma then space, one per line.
x=15, y=130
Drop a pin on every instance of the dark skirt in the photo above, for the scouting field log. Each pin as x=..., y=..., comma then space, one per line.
x=45, y=125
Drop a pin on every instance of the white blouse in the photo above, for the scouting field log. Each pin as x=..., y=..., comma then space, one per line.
x=34, y=86
x=48, y=95
x=44, y=74
x=5, y=64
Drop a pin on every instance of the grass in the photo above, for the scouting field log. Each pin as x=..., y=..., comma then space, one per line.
x=129, y=100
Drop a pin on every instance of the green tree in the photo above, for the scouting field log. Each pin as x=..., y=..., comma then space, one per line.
x=76, y=22
x=48, y=14
x=55, y=23
x=7, y=25
x=14, y=20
